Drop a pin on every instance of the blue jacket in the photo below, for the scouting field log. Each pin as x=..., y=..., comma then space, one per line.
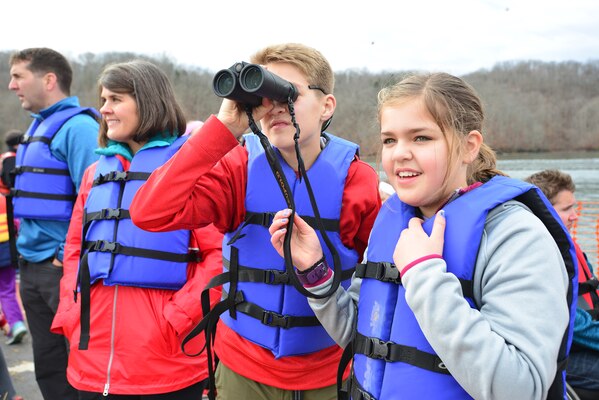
x=285, y=319
x=393, y=358
x=73, y=144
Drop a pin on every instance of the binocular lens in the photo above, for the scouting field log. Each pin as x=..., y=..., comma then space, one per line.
x=249, y=83
x=224, y=83
x=252, y=78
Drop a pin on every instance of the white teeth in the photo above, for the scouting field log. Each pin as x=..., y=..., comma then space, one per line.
x=407, y=174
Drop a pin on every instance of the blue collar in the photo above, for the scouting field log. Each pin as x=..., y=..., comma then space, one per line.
x=113, y=148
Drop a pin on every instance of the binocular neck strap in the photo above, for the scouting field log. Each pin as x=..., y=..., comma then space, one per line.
x=277, y=170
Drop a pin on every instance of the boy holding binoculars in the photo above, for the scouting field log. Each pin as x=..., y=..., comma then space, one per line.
x=269, y=343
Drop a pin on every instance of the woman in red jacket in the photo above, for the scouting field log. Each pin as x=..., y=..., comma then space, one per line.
x=136, y=293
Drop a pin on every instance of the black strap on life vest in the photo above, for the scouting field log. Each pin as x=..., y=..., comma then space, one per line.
x=234, y=300
x=41, y=170
x=358, y=392
x=106, y=213
x=265, y=219
x=383, y=350
x=346, y=357
x=387, y=272
x=121, y=176
x=392, y=352
x=590, y=286
x=36, y=195
x=31, y=139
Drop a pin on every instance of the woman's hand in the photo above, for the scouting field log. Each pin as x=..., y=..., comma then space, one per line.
x=305, y=246
x=414, y=243
x=234, y=117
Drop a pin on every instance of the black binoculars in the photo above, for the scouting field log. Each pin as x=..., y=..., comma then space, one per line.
x=248, y=83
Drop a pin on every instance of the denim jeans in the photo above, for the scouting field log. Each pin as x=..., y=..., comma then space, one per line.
x=583, y=370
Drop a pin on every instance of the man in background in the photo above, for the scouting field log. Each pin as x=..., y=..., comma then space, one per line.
x=583, y=364
x=57, y=148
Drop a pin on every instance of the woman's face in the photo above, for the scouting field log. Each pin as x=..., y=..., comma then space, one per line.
x=119, y=111
x=415, y=156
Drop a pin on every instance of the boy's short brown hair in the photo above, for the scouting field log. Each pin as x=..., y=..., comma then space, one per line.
x=552, y=182
x=309, y=61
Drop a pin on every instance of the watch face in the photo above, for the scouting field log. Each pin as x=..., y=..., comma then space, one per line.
x=314, y=275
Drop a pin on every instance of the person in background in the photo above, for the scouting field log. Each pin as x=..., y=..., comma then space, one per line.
x=139, y=291
x=442, y=308
x=7, y=389
x=56, y=150
x=279, y=351
x=583, y=364
x=8, y=230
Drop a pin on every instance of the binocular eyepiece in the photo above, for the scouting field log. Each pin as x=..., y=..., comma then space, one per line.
x=248, y=83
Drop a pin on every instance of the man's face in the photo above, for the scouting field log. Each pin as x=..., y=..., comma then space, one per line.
x=28, y=87
x=565, y=203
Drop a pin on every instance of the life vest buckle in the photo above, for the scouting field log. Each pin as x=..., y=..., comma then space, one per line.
x=377, y=348
x=388, y=272
x=106, y=246
x=271, y=318
x=111, y=213
x=275, y=277
x=118, y=175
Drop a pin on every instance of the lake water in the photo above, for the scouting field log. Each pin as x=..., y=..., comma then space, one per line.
x=583, y=167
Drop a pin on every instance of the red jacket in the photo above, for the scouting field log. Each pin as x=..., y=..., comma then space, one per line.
x=149, y=324
x=205, y=182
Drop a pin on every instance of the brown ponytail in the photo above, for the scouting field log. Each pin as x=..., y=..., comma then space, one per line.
x=484, y=167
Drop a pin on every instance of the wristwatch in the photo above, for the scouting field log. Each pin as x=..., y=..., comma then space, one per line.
x=314, y=273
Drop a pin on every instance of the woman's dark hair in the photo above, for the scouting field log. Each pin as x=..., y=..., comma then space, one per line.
x=157, y=106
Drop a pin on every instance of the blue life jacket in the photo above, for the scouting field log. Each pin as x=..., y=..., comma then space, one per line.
x=273, y=314
x=392, y=358
x=113, y=248
x=43, y=185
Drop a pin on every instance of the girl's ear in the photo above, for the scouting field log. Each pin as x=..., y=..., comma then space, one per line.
x=473, y=141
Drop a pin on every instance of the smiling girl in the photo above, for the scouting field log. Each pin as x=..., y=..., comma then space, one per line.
x=464, y=294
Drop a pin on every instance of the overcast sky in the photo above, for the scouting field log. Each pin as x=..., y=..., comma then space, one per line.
x=456, y=36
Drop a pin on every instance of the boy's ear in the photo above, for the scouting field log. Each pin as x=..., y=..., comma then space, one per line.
x=473, y=141
x=329, y=107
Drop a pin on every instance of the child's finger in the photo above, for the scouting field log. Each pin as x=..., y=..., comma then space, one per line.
x=279, y=220
x=438, y=232
x=277, y=237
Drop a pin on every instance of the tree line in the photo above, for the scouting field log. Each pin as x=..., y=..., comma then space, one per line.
x=531, y=106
